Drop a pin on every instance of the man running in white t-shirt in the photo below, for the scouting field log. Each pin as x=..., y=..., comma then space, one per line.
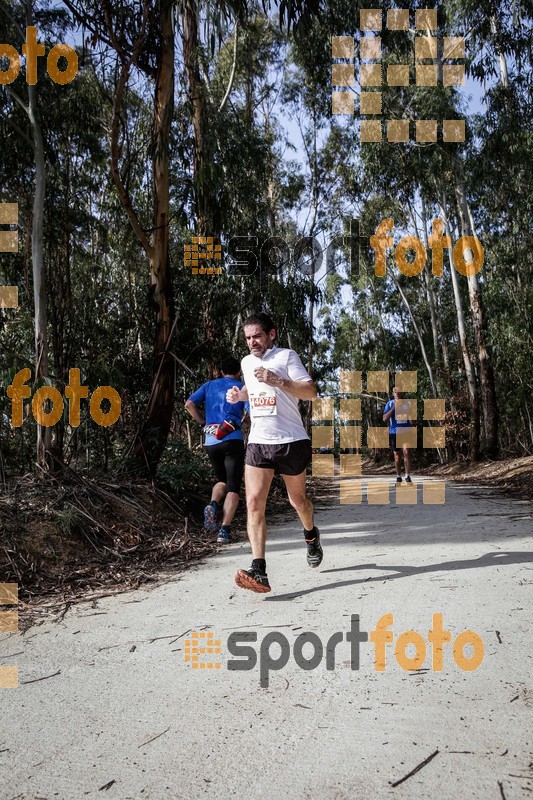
x=275, y=379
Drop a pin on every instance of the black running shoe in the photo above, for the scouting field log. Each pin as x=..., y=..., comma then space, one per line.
x=315, y=553
x=398, y=479
x=252, y=579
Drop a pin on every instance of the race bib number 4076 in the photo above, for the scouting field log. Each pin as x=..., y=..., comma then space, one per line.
x=264, y=404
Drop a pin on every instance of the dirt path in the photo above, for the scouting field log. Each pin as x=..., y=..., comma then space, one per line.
x=123, y=715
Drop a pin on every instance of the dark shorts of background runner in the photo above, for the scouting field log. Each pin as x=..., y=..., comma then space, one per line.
x=227, y=460
x=285, y=459
x=392, y=443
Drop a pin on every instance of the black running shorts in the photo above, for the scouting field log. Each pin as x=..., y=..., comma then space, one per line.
x=392, y=443
x=227, y=460
x=285, y=459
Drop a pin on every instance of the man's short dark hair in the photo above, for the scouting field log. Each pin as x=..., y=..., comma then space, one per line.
x=230, y=365
x=262, y=319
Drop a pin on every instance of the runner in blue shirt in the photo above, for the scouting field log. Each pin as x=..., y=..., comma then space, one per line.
x=223, y=444
x=390, y=415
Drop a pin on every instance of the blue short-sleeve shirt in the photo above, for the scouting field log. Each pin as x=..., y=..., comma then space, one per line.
x=213, y=395
x=393, y=422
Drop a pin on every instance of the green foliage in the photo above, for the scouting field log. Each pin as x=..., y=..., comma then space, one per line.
x=184, y=472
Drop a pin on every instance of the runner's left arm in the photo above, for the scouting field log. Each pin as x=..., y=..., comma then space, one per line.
x=300, y=385
x=298, y=381
x=303, y=390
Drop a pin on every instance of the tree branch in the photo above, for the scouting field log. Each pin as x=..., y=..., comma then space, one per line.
x=115, y=44
x=15, y=97
x=233, y=68
x=84, y=22
x=13, y=22
x=20, y=132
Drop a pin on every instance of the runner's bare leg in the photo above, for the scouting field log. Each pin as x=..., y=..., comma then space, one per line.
x=257, y=481
x=298, y=498
x=407, y=460
x=397, y=463
x=218, y=492
x=230, y=506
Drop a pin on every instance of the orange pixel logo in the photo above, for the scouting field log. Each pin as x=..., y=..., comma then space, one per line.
x=9, y=623
x=202, y=644
x=434, y=60
x=9, y=243
x=201, y=250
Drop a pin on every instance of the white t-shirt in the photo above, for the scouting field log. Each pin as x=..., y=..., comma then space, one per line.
x=274, y=412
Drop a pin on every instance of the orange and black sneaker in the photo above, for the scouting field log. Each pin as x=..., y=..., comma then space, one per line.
x=253, y=579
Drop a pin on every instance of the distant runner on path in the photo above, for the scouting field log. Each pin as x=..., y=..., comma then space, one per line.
x=275, y=379
x=223, y=444
x=392, y=413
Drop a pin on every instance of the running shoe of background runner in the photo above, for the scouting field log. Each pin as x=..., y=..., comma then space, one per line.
x=224, y=535
x=210, y=518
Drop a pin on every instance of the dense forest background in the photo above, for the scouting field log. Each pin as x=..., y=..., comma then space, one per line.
x=214, y=119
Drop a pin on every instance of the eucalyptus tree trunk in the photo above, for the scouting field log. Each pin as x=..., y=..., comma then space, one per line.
x=315, y=199
x=158, y=415
x=420, y=339
x=129, y=44
x=436, y=321
x=39, y=285
x=44, y=433
x=461, y=329
x=486, y=373
x=197, y=99
x=203, y=190
x=502, y=62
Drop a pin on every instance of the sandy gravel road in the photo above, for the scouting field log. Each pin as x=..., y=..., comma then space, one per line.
x=128, y=717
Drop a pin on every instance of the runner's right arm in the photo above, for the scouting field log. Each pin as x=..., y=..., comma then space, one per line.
x=390, y=412
x=195, y=412
x=196, y=398
x=236, y=395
